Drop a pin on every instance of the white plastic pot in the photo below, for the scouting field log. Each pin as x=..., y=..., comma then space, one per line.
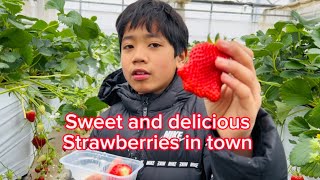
x=16, y=149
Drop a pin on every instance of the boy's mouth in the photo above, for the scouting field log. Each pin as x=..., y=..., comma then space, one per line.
x=140, y=74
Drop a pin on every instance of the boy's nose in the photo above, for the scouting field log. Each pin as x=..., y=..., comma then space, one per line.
x=139, y=56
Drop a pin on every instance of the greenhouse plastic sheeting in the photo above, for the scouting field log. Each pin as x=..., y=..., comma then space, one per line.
x=16, y=150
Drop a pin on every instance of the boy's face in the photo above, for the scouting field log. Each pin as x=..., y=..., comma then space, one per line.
x=148, y=60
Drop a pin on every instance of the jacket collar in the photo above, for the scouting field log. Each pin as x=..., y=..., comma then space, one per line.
x=115, y=89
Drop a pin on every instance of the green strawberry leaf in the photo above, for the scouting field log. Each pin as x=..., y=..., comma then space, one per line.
x=294, y=65
x=10, y=57
x=315, y=35
x=94, y=104
x=68, y=108
x=46, y=51
x=314, y=116
x=291, y=28
x=300, y=154
x=313, y=51
x=73, y=17
x=289, y=74
x=311, y=133
x=282, y=111
x=14, y=6
x=250, y=39
x=72, y=55
x=55, y=4
x=311, y=169
x=69, y=66
x=27, y=53
x=272, y=94
x=89, y=113
x=274, y=47
x=4, y=66
x=87, y=30
x=16, y=24
x=39, y=25
x=286, y=39
x=297, y=126
x=89, y=79
x=15, y=38
x=93, y=18
x=296, y=92
x=260, y=53
x=280, y=24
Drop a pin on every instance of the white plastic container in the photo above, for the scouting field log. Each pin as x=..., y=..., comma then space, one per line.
x=84, y=165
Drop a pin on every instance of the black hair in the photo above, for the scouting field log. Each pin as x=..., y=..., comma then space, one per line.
x=154, y=12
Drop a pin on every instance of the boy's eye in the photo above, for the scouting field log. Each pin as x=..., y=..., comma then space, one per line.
x=154, y=45
x=127, y=47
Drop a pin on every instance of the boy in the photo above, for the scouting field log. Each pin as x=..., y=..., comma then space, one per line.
x=153, y=41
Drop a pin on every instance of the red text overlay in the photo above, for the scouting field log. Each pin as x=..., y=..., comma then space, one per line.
x=172, y=137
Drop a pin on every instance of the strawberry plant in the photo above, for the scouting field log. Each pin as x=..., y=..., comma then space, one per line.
x=64, y=60
x=287, y=62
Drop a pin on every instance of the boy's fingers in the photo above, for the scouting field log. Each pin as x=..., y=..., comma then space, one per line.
x=245, y=48
x=239, y=71
x=240, y=89
x=237, y=53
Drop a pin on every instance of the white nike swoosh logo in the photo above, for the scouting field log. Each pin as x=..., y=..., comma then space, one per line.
x=180, y=139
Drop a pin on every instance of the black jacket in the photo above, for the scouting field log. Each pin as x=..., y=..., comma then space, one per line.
x=268, y=160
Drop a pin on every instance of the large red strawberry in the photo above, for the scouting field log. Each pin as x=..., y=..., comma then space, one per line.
x=39, y=141
x=200, y=75
x=31, y=115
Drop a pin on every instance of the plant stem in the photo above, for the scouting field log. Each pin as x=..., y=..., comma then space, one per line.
x=270, y=83
x=50, y=27
x=54, y=75
x=46, y=86
x=274, y=58
x=11, y=89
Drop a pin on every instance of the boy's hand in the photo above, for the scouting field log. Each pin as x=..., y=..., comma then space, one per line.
x=240, y=93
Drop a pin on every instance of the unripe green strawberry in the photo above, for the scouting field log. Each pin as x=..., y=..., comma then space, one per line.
x=200, y=75
x=78, y=130
x=42, y=109
x=42, y=158
x=40, y=127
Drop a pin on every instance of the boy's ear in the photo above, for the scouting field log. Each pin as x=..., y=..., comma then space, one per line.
x=181, y=59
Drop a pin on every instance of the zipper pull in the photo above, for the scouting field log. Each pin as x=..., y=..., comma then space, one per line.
x=145, y=111
x=145, y=107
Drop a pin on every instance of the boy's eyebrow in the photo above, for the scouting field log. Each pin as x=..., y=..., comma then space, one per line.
x=147, y=36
